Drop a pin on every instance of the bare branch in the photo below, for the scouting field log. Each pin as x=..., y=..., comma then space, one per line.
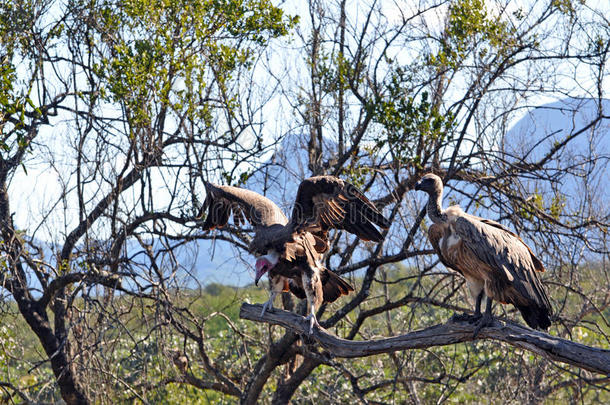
x=553, y=348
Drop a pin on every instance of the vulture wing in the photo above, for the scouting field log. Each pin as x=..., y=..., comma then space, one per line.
x=537, y=263
x=221, y=201
x=325, y=202
x=507, y=254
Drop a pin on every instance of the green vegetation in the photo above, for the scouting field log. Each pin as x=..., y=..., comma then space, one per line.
x=461, y=373
x=113, y=113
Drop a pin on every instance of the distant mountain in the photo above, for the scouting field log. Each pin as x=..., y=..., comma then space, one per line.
x=587, y=153
x=280, y=177
x=541, y=127
x=215, y=262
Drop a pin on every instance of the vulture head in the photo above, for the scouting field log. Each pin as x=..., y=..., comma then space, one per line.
x=268, y=246
x=430, y=183
x=265, y=263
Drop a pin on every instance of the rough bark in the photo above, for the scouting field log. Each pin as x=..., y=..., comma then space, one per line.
x=37, y=319
x=278, y=354
x=285, y=390
x=553, y=348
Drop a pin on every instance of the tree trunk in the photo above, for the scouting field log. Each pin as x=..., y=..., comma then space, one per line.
x=38, y=320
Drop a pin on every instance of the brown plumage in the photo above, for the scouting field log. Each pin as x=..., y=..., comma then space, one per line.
x=494, y=261
x=291, y=251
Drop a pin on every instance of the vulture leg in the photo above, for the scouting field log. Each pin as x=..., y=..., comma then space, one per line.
x=276, y=286
x=477, y=305
x=476, y=290
x=313, y=291
x=269, y=303
x=312, y=320
x=486, y=320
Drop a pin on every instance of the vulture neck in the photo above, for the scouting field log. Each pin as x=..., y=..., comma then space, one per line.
x=435, y=211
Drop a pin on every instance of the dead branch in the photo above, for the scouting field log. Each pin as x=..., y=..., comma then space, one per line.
x=553, y=348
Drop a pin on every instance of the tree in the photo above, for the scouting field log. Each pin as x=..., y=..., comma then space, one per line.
x=131, y=104
x=115, y=97
x=388, y=93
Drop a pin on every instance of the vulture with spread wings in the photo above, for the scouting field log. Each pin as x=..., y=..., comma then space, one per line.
x=291, y=251
x=494, y=261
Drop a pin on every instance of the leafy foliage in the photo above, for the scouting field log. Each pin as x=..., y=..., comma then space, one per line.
x=126, y=106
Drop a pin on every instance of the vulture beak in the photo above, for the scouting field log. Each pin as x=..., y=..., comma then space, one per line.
x=418, y=185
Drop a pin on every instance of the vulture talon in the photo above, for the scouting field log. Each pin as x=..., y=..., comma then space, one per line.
x=267, y=306
x=312, y=321
x=484, y=321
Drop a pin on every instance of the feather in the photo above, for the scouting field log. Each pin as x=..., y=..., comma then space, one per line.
x=329, y=202
x=244, y=204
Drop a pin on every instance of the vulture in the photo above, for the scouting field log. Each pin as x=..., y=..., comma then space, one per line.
x=291, y=251
x=494, y=261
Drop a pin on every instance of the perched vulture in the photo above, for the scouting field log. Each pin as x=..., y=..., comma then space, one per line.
x=493, y=260
x=291, y=251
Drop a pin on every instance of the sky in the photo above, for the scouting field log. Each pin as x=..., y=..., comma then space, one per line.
x=37, y=187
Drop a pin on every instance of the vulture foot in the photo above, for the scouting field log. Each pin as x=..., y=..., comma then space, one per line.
x=267, y=306
x=312, y=321
x=485, y=320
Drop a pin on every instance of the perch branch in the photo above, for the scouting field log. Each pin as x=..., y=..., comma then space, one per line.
x=553, y=348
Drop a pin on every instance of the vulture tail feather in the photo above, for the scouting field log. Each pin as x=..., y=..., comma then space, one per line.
x=334, y=287
x=536, y=317
x=537, y=311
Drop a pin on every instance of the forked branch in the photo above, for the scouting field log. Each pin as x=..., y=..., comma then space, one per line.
x=553, y=348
